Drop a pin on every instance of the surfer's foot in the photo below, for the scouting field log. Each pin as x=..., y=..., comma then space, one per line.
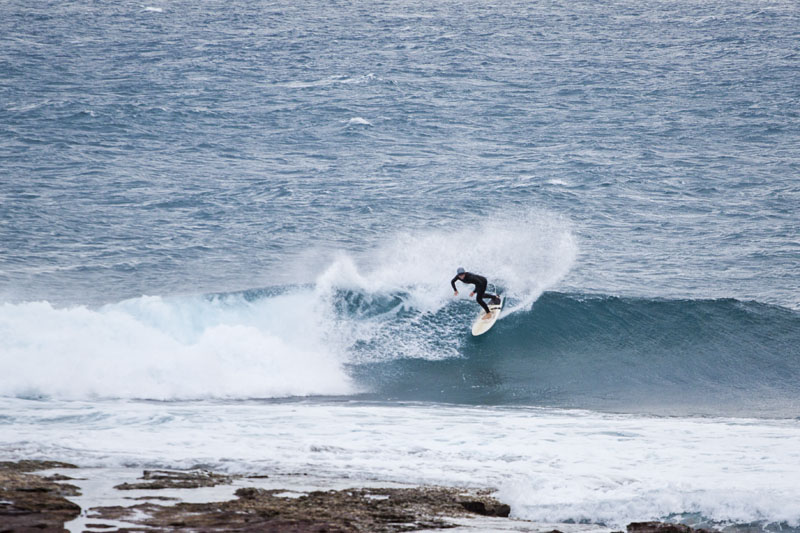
x=487, y=316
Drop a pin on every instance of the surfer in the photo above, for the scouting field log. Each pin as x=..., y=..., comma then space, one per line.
x=480, y=289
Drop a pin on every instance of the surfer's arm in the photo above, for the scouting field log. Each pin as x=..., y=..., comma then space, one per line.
x=453, y=284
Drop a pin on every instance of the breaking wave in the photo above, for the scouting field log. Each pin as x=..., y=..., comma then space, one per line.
x=385, y=325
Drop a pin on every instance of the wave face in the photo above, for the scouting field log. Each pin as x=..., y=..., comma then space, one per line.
x=619, y=354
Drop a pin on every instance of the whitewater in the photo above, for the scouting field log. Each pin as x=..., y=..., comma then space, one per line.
x=227, y=232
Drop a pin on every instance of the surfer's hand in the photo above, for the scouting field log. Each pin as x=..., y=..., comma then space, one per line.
x=472, y=294
x=455, y=293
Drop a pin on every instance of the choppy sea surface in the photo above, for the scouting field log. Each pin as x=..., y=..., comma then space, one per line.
x=227, y=231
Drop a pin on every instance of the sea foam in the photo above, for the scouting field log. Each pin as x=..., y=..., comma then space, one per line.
x=549, y=465
x=167, y=348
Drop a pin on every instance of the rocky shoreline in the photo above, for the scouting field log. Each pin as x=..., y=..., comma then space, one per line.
x=31, y=502
x=41, y=502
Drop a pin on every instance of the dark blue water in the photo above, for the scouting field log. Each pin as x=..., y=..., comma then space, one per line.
x=642, y=153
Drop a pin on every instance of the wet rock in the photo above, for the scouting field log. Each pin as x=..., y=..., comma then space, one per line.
x=176, y=479
x=663, y=527
x=32, y=466
x=29, y=502
x=59, y=477
x=492, y=509
x=355, y=510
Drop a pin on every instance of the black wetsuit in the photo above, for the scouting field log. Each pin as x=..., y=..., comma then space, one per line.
x=480, y=287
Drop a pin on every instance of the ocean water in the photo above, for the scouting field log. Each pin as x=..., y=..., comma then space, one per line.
x=227, y=231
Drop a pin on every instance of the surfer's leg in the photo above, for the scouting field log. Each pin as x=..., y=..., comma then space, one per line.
x=479, y=298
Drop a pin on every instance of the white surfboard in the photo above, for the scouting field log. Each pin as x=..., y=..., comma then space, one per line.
x=481, y=326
